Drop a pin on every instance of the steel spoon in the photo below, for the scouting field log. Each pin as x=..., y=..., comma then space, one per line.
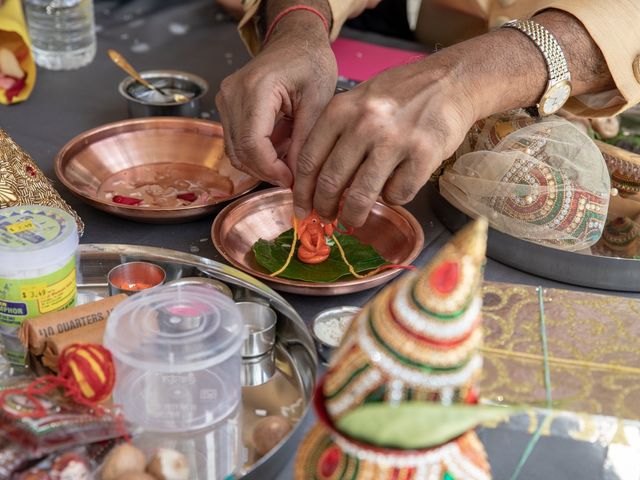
x=120, y=61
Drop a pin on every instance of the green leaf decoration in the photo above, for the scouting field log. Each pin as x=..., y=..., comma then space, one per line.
x=416, y=425
x=272, y=255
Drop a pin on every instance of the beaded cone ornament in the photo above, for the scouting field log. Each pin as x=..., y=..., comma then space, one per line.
x=416, y=341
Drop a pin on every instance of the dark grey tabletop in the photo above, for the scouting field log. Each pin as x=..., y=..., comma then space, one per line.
x=196, y=36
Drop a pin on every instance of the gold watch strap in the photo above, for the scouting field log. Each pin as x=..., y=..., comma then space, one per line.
x=548, y=46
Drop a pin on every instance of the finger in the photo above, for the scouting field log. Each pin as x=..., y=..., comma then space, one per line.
x=309, y=161
x=248, y=122
x=306, y=117
x=228, y=144
x=367, y=185
x=336, y=174
x=252, y=143
x=281, y=138
x=410, y=176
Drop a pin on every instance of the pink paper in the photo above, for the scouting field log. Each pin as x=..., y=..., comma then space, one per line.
x=360, y=61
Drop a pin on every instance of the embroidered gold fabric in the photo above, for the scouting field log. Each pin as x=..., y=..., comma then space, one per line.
x=594, y=350
x=23, y=183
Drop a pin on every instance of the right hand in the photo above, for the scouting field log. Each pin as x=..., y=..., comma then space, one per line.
x=294, y=75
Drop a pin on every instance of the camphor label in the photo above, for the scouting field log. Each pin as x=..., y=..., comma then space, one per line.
x=26, y=298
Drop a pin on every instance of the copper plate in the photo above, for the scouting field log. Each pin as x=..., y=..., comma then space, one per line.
x=392, y=231
x=190, y=145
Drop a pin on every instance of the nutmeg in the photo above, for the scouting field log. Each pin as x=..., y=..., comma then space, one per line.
x=167, y=464
x=268, y=432
x=123, y=459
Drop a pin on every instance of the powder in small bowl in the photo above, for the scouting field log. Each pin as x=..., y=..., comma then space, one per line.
x=330, y=326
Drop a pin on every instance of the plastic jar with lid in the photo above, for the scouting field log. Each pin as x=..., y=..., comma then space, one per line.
x=177, y=355
x=37, y=268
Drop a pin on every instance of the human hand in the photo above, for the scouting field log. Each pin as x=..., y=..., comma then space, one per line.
x=386, y=137
x=294, y=75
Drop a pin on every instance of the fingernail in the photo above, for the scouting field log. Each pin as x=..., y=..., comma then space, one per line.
x=300, y=213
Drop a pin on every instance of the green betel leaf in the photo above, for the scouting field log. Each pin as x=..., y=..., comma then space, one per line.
x=272, y=255
x=416, y=425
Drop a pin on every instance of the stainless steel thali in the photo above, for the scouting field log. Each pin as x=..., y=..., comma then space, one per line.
x=287, y=394
x=607, y=273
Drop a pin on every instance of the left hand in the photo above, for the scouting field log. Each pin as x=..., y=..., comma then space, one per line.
x=386, y=137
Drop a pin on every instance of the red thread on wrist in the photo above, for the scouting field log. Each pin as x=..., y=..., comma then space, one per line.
x=289, y=10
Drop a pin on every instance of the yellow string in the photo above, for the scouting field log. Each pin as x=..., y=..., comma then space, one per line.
x=563, y=361
x=291, y=252
x=344, y=259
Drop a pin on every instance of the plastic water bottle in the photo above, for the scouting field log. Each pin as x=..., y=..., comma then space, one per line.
x=62, y=32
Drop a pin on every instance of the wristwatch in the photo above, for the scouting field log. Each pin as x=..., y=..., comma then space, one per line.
x=559, y=87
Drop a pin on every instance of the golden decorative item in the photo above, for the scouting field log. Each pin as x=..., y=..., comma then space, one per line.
x=594, y=352
x=23, y=183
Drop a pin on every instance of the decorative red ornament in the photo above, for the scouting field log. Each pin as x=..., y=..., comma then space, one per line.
x=445, y=277
x=472, y=397
x=86, y=373
x=329, y=461
x=31, y=171
x=89, y=369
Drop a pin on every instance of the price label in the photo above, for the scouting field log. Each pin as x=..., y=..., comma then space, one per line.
x=20, y=227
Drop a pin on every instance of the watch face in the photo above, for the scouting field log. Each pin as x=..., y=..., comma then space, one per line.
x=555, y=98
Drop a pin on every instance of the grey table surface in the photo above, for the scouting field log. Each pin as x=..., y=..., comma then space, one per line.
x=196, y=36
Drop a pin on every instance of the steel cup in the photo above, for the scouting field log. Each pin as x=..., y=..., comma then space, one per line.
x=133, y=277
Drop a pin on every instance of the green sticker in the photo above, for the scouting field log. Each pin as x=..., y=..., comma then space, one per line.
x=29, y=229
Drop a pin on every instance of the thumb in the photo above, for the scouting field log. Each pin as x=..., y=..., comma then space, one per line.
x=303, y=122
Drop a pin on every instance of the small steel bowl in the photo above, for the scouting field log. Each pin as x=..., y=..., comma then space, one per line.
x=258, y=370
x=148, y=147
x=392, y=231
x=121, y=278
x=324, y=348
x=205, y=281
x=260, y=321
x=186, y=83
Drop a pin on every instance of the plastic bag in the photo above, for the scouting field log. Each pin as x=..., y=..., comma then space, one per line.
x=541, y=180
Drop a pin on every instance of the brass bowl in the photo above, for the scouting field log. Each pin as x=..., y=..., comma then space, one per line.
x=392, y=231
x=191, y=146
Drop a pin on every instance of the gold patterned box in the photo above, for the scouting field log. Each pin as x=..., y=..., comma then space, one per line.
x=594, y=363
x=593, y=345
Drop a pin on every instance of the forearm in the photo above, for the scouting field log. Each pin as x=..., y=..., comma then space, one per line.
x=504, y=69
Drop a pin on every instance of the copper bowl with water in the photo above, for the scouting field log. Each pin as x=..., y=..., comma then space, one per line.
x=155, y=152
x=392, y=231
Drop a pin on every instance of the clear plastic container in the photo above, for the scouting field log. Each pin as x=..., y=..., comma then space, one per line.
x=37, y=268
x=62, y=32
x=177, y=356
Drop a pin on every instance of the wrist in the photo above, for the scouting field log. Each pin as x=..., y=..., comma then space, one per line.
x=275, y=16
x=301, y=28
x=498, y=71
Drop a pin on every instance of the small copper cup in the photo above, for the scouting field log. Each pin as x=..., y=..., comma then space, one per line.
x=133, y=277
